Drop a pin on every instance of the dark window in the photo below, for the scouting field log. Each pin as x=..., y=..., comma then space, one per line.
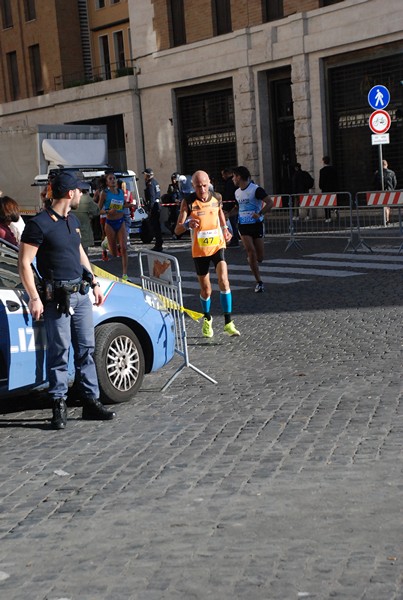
x=282, y=126
x=36, y=71
x=119, y=49
x=29, y=10
x=177, y=23
x=6, y=14
x=329, y=2
x=99, y=3
x=13, y=75
x=273, y=9
x=105, y=57
x=208, y=140
x=222, y=16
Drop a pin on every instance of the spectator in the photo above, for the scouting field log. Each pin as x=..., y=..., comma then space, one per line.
x=152, y=194
x=9, y=213
x=17, y=228
x=301, y=183
x=386, y=181
x=86, y=212
x=328, y=182
x=101, y=186
x=185, y=185
x=173, y=197
x=230, y=204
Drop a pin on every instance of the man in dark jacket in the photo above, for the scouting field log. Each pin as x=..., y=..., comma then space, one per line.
x=301, y=182
x=229, y=203
x=388, y=183
x=328, y=182
x=152, y=196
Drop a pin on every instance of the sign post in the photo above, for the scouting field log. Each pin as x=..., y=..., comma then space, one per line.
x=379, y=121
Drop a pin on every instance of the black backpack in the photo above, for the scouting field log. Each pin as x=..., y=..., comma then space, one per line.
x=308, y=180
x=146, y=231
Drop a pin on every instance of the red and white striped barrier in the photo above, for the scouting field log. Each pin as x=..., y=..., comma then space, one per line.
x=384, y=198
x=312, y=200
x=277, y=201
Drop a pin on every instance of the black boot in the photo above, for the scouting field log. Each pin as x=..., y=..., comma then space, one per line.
x=59, y=419
x=94, y=410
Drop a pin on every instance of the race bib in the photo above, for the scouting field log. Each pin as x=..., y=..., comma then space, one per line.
x=116, y=204
x=209, y=238
x=245, y=217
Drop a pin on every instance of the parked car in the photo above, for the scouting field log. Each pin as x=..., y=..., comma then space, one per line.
x=134, y=335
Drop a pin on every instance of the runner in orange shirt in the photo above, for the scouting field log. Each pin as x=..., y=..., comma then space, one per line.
x=202, y=213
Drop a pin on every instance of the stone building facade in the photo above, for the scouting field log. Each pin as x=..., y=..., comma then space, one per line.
x=214, y=83
x=285, y=90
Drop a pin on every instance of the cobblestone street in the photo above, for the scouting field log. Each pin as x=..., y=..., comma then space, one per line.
x=281, y=482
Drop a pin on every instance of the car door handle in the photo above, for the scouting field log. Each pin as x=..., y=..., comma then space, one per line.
x=12, y=306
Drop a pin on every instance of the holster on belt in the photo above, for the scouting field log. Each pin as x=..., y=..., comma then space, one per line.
x=62, y=297
x=46, y=289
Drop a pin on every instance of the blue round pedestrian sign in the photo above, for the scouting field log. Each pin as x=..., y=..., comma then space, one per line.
x=378, y=97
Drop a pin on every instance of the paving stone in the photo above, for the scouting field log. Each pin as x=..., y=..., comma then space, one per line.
x=281, y=482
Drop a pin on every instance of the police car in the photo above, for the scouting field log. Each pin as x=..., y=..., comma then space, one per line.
x=134, y=335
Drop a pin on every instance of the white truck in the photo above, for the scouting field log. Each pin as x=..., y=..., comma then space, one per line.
x=27, y=155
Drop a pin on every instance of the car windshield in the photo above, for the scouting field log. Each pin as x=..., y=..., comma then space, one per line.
x=9, y=277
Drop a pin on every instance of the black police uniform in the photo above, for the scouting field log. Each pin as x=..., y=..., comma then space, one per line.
x=67, y=315
x=152, y=195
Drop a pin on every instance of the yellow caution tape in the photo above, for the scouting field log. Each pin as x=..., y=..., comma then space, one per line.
x=169, y=304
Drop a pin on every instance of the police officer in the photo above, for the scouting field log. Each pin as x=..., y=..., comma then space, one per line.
x=152, y=195
x=53, y=237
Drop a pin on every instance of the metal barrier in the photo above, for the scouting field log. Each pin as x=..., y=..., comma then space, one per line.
x=303, y=215
x=278, y=221
x=371, y=215
x=160, y=274
x=307, y=217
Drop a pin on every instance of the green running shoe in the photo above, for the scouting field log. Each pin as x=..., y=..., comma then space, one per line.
x=207, y=329
x=230, y=329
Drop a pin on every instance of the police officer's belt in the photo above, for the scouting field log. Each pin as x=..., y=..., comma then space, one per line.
x=69, y=285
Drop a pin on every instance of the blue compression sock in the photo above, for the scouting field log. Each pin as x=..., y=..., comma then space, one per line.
x=226, y=301
x=205, y=304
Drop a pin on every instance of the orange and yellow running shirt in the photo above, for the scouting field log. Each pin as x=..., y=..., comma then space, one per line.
x=208, y=238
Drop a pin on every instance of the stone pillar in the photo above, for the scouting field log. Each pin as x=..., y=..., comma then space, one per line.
x=302, y=112
x=245, y=117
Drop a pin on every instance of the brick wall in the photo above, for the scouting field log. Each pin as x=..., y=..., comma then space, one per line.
x=161, y=24
x=199, y=19
x=295, y=6
x=69, y=38
x=245, y=13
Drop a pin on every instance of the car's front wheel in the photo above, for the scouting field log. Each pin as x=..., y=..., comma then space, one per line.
x=120, y=363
